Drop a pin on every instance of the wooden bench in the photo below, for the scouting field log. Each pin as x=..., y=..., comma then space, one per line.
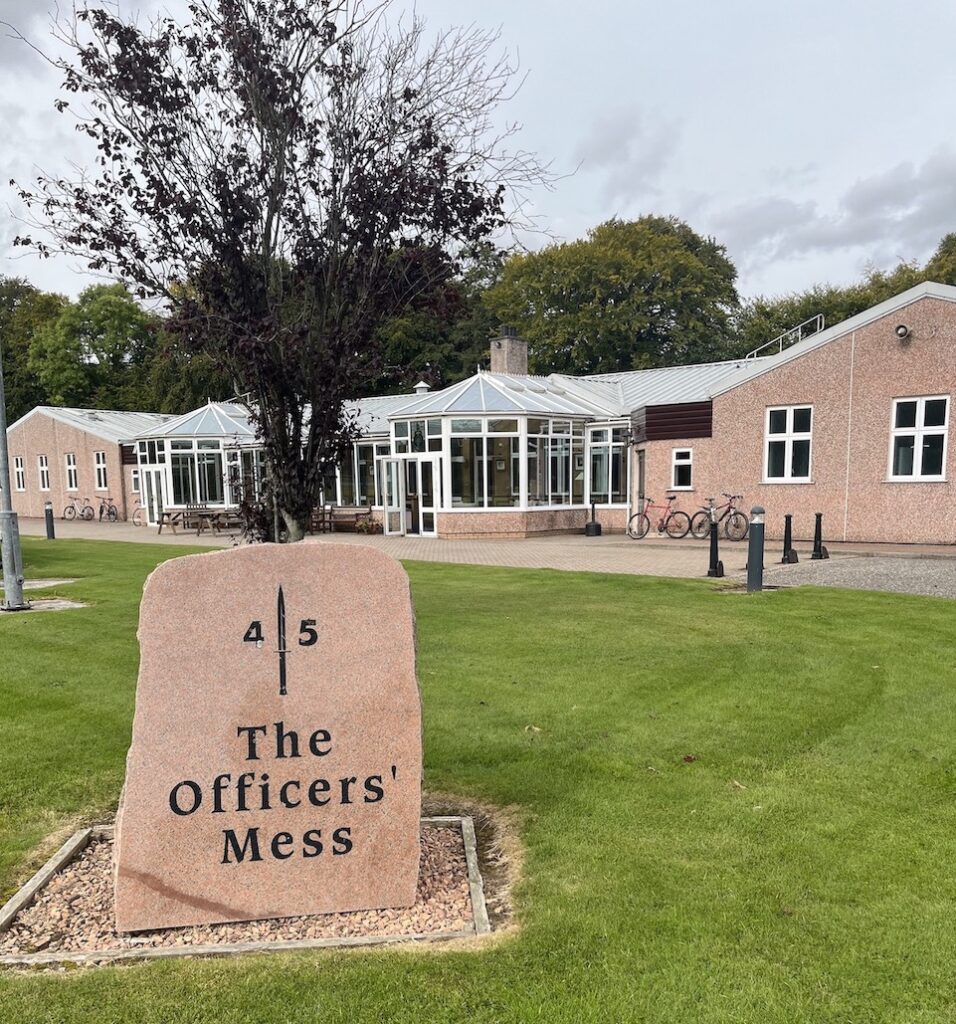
x=347, y=517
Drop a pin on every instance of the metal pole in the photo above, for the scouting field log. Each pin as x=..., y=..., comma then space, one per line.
x=755, y=551
x=48, y=516
x=789, y=555
x=12, y=559
x=716, y=569
x=819, y=551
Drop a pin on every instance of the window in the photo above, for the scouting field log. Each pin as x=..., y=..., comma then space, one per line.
x=682, y=469
x=70, y=459
x=134, y=481
x=609, y=466
x=43, y=466
x=100, y=460
x=918, y=438
x=19, y=474
x=787, y=452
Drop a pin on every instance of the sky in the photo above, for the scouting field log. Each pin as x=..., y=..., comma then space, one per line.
x=813, y=138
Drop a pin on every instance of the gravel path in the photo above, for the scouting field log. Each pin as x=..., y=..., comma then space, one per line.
x=935, y=577
x=75, y=911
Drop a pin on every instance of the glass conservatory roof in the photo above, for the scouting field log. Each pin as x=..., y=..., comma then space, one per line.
x=227, y=420
x=503, y=393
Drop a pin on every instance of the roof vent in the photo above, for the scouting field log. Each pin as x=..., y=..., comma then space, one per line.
x=421, y=388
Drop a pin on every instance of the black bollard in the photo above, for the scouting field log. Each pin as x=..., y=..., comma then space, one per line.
x=789, y=555
x=819, y=551
x=48, y=515
x=755, y=550
x=716, y=565
x=593, y=528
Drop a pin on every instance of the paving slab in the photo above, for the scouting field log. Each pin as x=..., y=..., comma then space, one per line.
x=933, y=577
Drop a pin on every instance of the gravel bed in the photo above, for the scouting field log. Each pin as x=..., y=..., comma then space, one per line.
x=931, y=577
x=74, y=913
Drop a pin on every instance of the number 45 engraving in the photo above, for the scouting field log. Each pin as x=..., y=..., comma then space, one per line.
x=308, y=636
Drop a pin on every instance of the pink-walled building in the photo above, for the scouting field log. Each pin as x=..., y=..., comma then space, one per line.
x=66, y=455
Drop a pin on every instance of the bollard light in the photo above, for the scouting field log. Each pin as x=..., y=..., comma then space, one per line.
x=755, y=550
x=48, y=516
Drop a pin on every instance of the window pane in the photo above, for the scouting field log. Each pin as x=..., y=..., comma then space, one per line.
x=401, y=447
x=184, y=490
x=778, y=421
x=905, y=414
x=210, y=477
x=560, y=426
x=537, y=427
x=466, y=426
x=800, y=460
x=537, y=471
x=801, y=421
x=776, y=452
x=401, y=430
x=619, y=435
x=434, y=444
x=366, y=474
x=577, y=475
x=347, y=478
x=417, y=429
x=903, y=455
x=560, y=470
x=434, y=427
x=600, y=475
x=502, y=489
x=619, y=455
x=682, y=474
x=502, y=426
x=467, y=472
x=934, y=412
x=682, y=455
x=932, y=455
x=598, y=437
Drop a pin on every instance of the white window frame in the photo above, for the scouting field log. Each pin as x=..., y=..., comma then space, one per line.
x=134, y=480
x=675, y=462
x=918, y=432
x=69, y=462
x=43, y=472
x=99, y=463
x=19, y=474
x=788, y=437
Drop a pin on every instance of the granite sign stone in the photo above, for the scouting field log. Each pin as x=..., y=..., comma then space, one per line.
x=275, y=765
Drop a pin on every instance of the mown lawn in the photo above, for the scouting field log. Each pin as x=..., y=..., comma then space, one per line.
x=801, y=868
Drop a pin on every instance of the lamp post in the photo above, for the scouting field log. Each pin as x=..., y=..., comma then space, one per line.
x=12, y=560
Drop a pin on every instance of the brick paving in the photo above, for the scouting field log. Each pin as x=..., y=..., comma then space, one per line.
x=934, y=577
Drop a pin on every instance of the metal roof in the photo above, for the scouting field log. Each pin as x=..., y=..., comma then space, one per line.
x=670, y=385
x=506, y=393
x=371, y=414
x=108, y=424
x=225, y=420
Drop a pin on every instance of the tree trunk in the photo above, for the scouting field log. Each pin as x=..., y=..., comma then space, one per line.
x=295, y=529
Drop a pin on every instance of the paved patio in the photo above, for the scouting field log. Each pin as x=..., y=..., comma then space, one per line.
x=899, y=568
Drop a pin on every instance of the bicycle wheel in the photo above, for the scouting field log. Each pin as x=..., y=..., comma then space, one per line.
x=736, y=526
x=137, y=517
x=86, y=512
x=69, y=512
x=700, y=525
x=638, y=525
x=677, y=525
x=111, y=514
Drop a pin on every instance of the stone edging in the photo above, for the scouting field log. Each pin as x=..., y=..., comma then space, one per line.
x=78, y=842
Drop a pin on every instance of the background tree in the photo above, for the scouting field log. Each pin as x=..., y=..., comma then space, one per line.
x=632, y=294
x=25, y=312
x=96, y=353
x=287, y=175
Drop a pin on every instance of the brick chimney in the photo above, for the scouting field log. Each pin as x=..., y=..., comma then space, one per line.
x=509, y=354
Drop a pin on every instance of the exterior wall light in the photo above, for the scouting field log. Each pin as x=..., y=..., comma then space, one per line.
x=903, y=333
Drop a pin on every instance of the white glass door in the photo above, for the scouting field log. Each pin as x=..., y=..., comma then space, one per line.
x=394, y=497
x=429, y=495
x=152, y=485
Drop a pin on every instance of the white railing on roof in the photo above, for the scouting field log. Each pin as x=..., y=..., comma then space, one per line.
x=791, y=337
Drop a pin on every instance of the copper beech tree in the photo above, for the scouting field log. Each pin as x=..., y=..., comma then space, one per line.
x=284, y=175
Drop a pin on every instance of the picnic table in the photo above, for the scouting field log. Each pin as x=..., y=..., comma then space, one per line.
x=199, y=518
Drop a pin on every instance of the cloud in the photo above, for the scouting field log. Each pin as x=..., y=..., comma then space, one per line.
x=903, y=210
x=629, y=152
x=31, y=20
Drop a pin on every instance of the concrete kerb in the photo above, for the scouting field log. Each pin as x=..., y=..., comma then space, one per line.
x=78, y=842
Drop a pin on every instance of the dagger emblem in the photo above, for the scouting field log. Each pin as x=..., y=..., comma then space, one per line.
x=280, y=616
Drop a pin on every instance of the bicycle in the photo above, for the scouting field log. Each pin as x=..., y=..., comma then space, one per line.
x=108, y=509
x=138, y=518
x=671, y=521
x=76, y=511
x=736, y=523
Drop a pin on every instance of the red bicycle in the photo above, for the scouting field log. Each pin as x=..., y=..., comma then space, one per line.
x=671, y=521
